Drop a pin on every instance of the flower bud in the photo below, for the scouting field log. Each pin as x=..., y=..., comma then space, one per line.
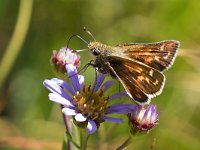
x=63, y=57
x=142, y=119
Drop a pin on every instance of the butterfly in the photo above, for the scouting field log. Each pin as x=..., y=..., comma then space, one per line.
x=138, y=66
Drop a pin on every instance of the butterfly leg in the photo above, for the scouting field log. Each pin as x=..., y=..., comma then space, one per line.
x=84, y=68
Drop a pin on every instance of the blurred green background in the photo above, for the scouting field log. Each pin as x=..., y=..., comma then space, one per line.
x=31, y=29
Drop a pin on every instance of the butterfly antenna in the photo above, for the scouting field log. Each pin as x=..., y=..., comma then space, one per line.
x=88, y=32
x=70, y=39
x=75, y=35
x=82, y=39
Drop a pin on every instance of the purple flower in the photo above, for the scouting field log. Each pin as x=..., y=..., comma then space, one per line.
x=87, y=104
x=143, y=119
x=63, y=57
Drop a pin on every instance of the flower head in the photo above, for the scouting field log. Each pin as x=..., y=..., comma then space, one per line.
x=63, y=57
x=143, y=119
x=87, y=104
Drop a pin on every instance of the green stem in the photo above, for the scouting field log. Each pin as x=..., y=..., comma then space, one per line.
x=69, y=137
x=125, y=144
x=17, y=39
x=84, y=136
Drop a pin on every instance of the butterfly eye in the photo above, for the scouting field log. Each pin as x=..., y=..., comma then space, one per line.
x=95, y=52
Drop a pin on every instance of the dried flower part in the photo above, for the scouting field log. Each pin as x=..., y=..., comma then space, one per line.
x=143, y=119
x=63, y=57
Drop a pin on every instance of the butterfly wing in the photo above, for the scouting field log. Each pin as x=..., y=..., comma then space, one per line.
x=139, y=80
x=158, y=55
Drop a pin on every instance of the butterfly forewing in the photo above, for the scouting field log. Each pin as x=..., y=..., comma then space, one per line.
x=158, y=55
x=139, y=80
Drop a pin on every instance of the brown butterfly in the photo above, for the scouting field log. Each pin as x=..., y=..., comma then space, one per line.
x=138, y=66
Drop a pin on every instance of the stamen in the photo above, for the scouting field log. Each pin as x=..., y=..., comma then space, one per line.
x=92, y=101
x=89, y=88
x=100, y=93
x=83, y=89
x=82, y=101
x=85, y=105
x=93, y=106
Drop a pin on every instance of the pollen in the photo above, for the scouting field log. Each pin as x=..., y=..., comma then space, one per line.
x=91, y=104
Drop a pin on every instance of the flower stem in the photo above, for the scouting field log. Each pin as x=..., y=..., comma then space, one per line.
x=68, y=130
x=84, y=136
x=125, y=144
x=69, y=137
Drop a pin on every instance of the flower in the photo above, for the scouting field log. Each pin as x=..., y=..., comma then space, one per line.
x=143, y=119
x=87, y=104
x=62, y=58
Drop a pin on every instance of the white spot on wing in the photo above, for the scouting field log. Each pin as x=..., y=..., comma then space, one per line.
x=151, y=72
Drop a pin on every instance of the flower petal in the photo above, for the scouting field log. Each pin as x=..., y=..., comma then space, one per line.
x=73, y=74
x=69, y=112
x=107, y=85
x=118, y=95
x=80, y=117
x=120, y=108
x=98, y=81
x=55, y=88
x=59, y=99
x=64, y=85
x=154, y=115
x=91, y=127
x=81, y=80
x=112, y=119
x=147, y=113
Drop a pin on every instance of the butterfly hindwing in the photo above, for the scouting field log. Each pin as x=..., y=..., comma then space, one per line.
x=139, y=80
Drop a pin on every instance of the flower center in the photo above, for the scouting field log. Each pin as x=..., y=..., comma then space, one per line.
x=91, y=104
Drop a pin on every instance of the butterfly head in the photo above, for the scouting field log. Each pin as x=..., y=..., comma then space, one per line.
x=95, y=48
